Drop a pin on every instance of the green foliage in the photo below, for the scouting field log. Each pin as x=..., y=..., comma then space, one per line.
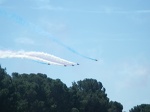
x=115, y=107
x=141, y=108
x=6, y=92
x=74, y=110
x=38, y=93
x=89, y=95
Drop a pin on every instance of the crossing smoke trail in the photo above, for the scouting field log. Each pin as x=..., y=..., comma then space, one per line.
x=36, y=56
x=40, y=31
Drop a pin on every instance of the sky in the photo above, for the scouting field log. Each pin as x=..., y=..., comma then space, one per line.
x=114, y=32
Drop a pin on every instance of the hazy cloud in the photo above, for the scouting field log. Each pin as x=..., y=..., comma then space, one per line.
x=46, y=5
x=133, y=75
x=54, y=28
x=41, y=2
x=49, y=7
x=111, y=11
x=24, y=40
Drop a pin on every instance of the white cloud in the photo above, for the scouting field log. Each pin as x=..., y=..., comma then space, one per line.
x=46, y=5
x=134, y=75
x=143, y=11
x=54, y=28
x=41, y=2
x=132, y=82
x=111, y=11
x=24, y=40
x=49, y=7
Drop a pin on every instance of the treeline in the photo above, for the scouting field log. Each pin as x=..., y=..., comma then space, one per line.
x=141, y=108
x=39, y=93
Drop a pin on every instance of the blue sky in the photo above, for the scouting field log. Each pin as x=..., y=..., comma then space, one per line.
x=114, y=32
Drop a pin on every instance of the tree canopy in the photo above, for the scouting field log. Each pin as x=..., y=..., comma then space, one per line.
x=141, y=108
x=39, y=93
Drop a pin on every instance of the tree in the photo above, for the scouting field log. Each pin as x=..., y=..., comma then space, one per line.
x=74, y=110
x=115, y=107
x=7, y=100
x=89, y=95
x=38, y=93
x=141, y=108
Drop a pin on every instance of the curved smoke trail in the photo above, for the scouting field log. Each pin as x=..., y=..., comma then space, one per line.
x=40, y=31
x=36, y=56
x=47, y=56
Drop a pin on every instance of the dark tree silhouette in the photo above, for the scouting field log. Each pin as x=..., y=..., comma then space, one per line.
x=39, y=93
x=141, y=108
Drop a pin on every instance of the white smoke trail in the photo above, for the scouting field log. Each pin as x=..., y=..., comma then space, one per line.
x=23, y=55
x=50, y=57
